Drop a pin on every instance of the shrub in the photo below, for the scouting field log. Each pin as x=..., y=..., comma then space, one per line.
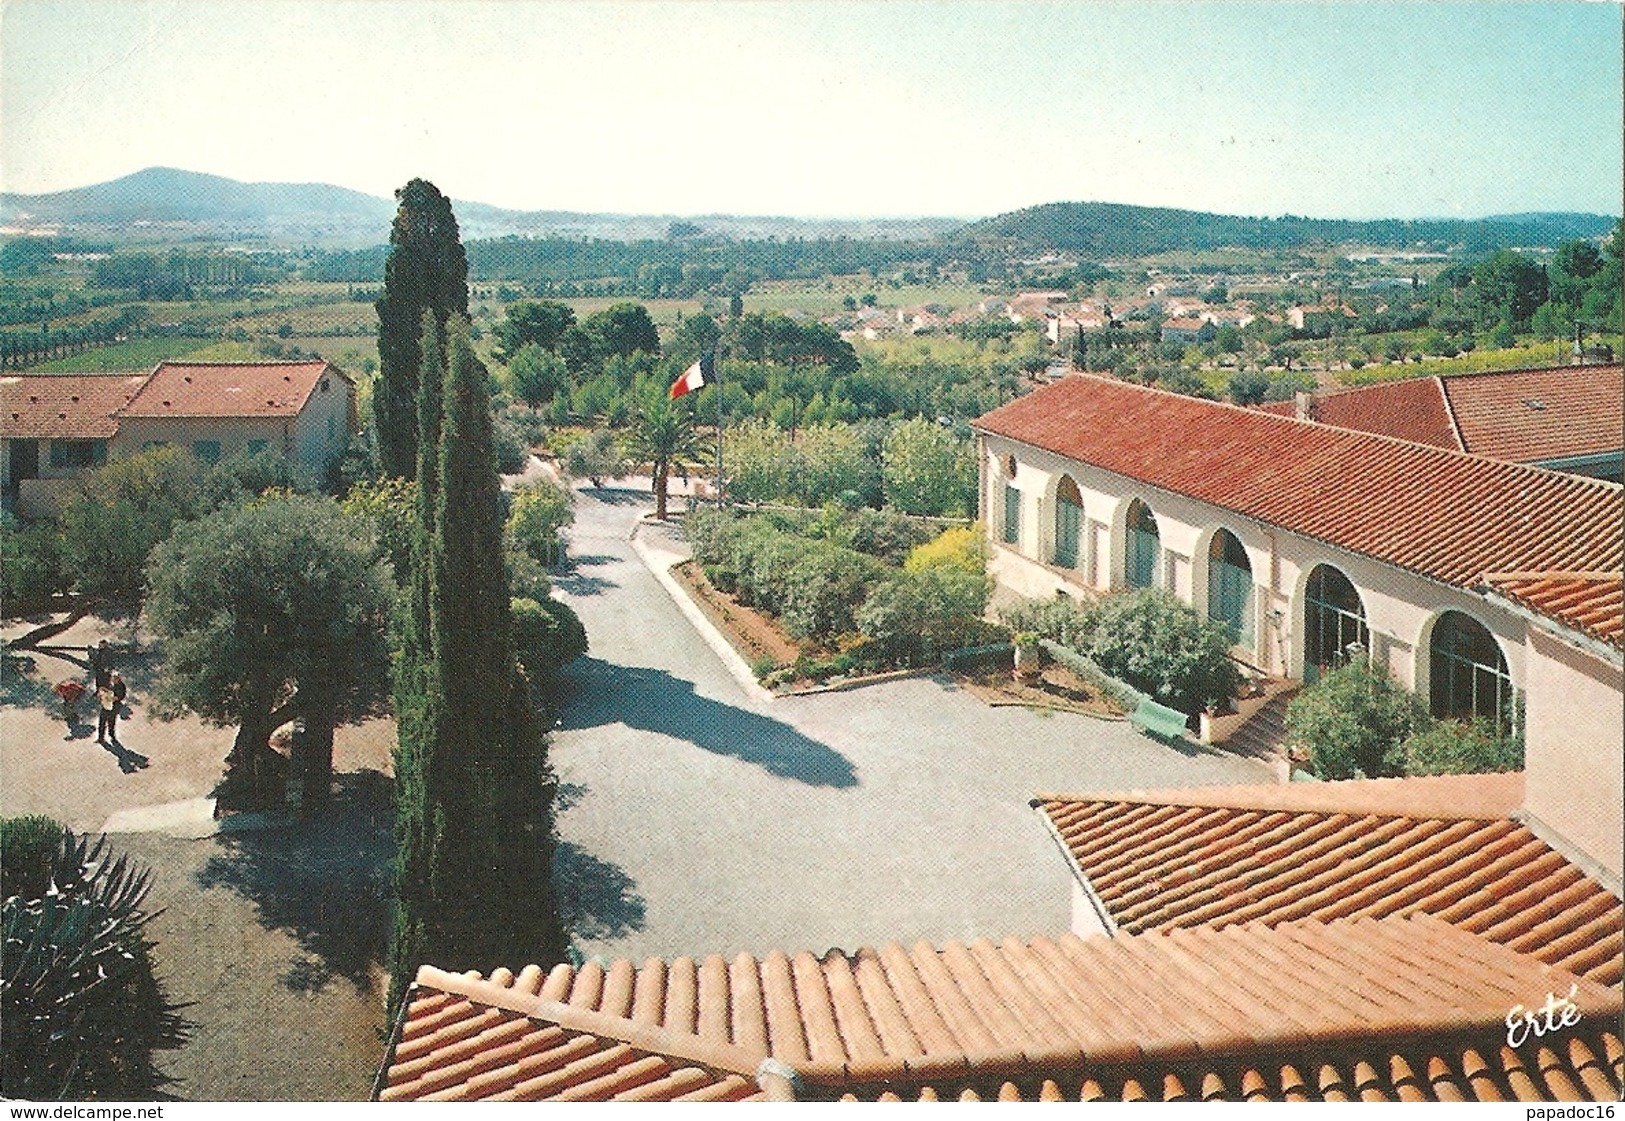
x=825, y=587
x=963, y=547
x=1248, y=387
x=83, y=1012
x=539, y=511
x=1354, y=721
x=832, y=460
x=1062, y=619
x=596, y=456
x=509, y=444
x=28, y=848
x=240, y=477
x=120, y=512
x=1450, y=747
x=1160, y=646
x=928, y=470
x=914, y=617
x=547, y=636
x=884, y=534
x=31, y=566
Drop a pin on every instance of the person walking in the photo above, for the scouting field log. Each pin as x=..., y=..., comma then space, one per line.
x=111, y=698
x=101, y=663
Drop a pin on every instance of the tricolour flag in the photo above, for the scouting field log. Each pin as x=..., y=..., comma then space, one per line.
x=692, y=378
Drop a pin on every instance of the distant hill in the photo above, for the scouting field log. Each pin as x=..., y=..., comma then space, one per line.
x=165, y=202
x=167, y=197
x=1105, y=230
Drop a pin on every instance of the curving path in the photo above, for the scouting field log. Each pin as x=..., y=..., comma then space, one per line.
x=700, y=818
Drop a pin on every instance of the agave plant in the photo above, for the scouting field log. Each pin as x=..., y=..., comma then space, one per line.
x=82, y=1010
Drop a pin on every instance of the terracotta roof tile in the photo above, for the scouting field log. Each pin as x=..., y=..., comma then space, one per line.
x=1293, y=1010
x=1443, y=846
x=1442, y=514
x=229, y=389
x=1590, y=602
x=1531, y=415
x=64, y=406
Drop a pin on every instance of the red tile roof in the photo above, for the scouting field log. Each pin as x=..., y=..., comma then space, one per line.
x=1522, y=416
x=1442, y=846
x=1442, y=514
x=1590, y=602
x=1414, y=409
x=1202, y=1013
x=1528, y=416
x=64, y=406
x=228, y=389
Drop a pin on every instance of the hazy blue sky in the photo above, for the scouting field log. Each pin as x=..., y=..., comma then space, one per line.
x=834, y=108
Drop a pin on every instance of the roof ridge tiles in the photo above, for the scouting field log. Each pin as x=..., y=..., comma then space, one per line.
x=715, y=1054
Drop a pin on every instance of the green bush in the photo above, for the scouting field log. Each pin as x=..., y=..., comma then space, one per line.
x=912, y=618
x=31, y=566
x=883, y=534
x=82, y=1009
x=1450, y=747
x=1062, y=619
x=538, y=512
x=547, y=636
x=825, y=587
x=509, y=444
x=929, y=470
x=1161, y=647
x=120, y=512
x=28, y=848
x=1354, y=722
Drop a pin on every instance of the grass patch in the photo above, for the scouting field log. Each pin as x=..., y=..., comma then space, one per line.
x=132, y=356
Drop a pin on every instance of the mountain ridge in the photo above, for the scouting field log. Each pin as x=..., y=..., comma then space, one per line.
x=176, y=202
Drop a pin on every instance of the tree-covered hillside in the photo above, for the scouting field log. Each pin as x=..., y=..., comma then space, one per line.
x=1103, y=229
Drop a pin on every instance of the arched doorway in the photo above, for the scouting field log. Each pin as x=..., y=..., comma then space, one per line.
x=1068, y=522
x=1230, y=587
x=1333, y=620
x=1142, y=546
x=1012, y=503
x=1467, y=674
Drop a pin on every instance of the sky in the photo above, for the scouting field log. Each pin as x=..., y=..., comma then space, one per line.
x=834, y=107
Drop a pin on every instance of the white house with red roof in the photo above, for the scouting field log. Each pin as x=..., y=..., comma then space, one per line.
x=1305, y=540
x=54, y=427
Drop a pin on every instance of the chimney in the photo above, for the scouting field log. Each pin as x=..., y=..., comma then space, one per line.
x=1304, y=405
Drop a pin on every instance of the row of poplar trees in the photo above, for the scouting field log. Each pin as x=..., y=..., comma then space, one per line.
x=473, y=788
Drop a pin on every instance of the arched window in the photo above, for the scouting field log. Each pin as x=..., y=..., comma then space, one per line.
x=1467, y=672
x=1333, y=620
x=1230, y=587
x=1142, y=547
x=1068, y=522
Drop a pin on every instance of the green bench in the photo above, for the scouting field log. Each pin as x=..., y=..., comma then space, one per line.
x=1159, y=720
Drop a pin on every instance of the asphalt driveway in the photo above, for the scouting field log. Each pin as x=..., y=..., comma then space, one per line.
x=697, y=818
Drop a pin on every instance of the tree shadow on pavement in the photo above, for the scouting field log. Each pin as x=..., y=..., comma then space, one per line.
x=597, y=900
x=573, y=580
x=325, y=882
x=596, y=693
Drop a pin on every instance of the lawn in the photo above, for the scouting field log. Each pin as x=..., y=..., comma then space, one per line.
x=133, y=355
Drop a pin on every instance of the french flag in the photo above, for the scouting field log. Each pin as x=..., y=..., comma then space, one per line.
x=691, y=379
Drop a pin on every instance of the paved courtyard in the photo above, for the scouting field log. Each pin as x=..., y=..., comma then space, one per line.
x=697, y=816
x=701, y=818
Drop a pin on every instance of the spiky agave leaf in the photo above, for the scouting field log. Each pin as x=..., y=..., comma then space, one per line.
x=82, y=1010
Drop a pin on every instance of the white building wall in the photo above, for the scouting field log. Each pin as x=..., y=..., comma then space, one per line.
x=1400, y=606
x=1574, y=749
x=322, y=429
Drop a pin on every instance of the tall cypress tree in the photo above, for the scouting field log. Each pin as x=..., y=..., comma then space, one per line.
x=475, y=792
x=426, y=270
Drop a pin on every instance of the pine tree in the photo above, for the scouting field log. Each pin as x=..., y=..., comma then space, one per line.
x=426, y=270
x=474, y=790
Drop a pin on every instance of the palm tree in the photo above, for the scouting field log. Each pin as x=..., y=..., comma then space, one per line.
x=662, y=434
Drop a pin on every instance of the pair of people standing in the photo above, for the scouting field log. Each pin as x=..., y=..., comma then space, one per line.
x=110, y=693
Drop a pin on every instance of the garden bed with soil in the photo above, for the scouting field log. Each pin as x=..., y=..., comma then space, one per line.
x=1056, y=688
x=756, y=637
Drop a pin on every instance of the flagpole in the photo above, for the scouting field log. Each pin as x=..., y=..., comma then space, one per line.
x=716, y=361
